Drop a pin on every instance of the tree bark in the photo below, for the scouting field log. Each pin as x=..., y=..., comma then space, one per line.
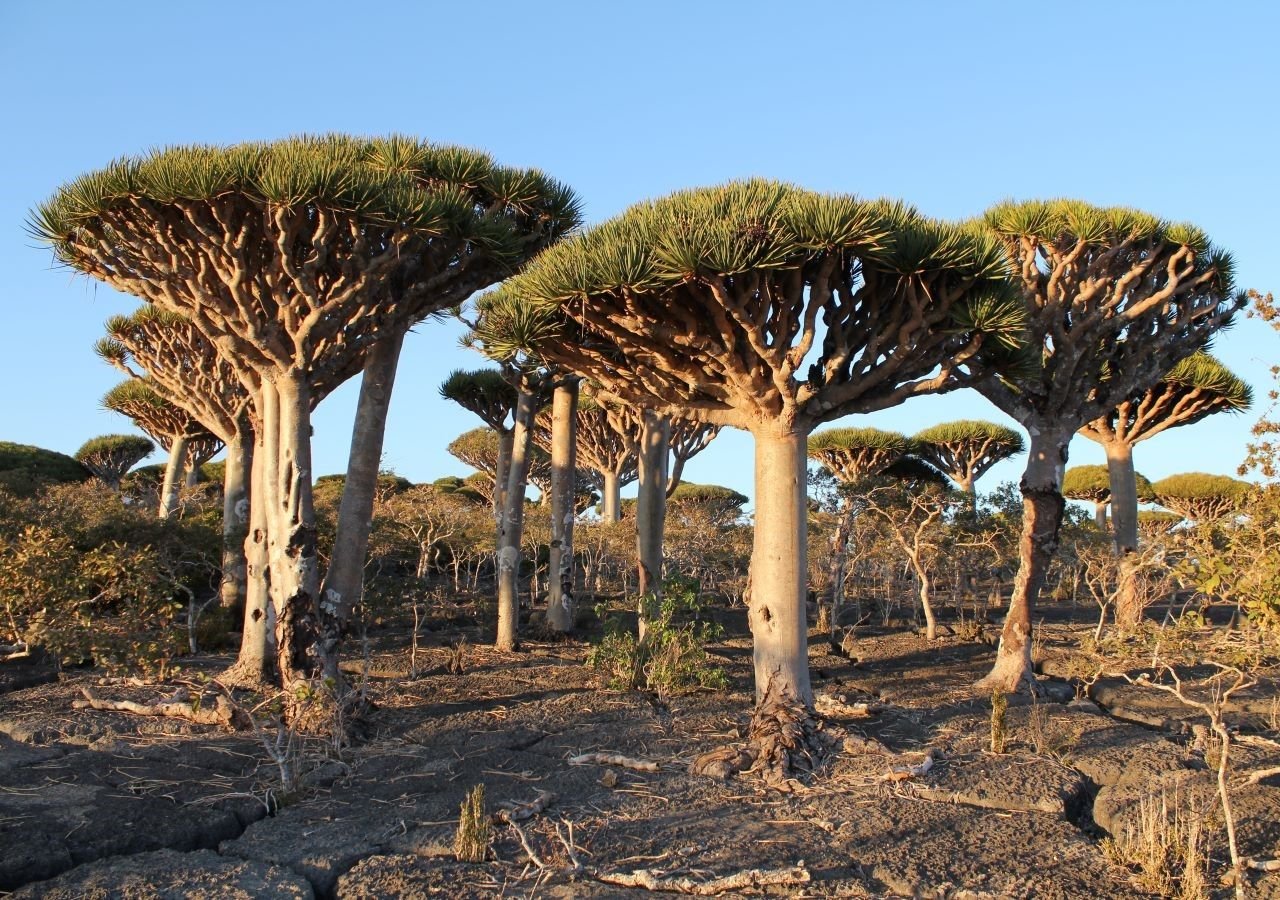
x=779, y=567
x=839, y=560
x=295, y=576
x=172, y=486
x=926, y=602
x=1042, y=507
x=250, y=667
x=1124, y=496
x=564, y=420
x=502, y=468
x=511, y=527
x=344, y=581
x=235, y=516
x=651, y=507
x=610, y=499
x=1100, y=514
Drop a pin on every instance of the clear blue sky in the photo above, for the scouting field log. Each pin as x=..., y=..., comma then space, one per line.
x=1167, y=106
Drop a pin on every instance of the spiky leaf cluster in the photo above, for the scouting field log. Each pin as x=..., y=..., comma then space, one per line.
x=137, y=399
x=299, y=252
x=1201, y=496
x=1115, y=297
x=852, y=454
x=110, y=456
x=484, y=392
x=1093, y=484
x=965, y=449
x=760, y=302
x=1196, y=387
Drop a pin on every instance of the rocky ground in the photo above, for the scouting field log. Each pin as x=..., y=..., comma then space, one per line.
x=111, y=804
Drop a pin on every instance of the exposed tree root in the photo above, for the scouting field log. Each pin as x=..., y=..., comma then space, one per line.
x=785, y=736
x=652, y=881
x=241, y=676
x=517, y=812
x=220, y=711
x=613, y=759
x=723, y=762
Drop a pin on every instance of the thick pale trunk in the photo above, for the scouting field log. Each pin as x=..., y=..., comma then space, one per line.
x=235, y=517
x=344, y=580
x=611, y=499
x=839, y=561
x=172, y=486
x=651, y=506
x=1124, y=496
x=512, y=526
x=502, y=468
x=779, y=568
x=926, y=602
x=564, y=437
x=1042, y=507
x=295, y=575
x=1100, y=514
x=192, y=477
x=250, y=668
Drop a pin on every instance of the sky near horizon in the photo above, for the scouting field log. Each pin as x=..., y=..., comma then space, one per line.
x=1171, y=107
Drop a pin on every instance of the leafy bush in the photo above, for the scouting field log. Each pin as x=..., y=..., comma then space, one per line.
x=88, y=577
x=25, y=469
x=672, y=657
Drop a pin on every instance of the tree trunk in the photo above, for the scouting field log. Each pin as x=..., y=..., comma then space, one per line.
x=1124, y=496
x=295, y=576
x=172, y=486
x=564, y=420
x=1042, y=507
x=511, y=528
x=344, y=581
x=926, y=602
x=779, y=568
x=250, y=667
x=502, y=468
x=839, y=560
x=235, y=516
x=610, y=499
x=651, y=507
x=1100, y=514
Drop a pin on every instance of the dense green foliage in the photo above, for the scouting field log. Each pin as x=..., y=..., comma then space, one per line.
x=24, y=469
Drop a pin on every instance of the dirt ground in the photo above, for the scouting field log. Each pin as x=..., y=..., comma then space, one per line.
x=111, y=804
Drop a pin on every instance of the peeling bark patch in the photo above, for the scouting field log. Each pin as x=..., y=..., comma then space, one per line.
x=766, y=615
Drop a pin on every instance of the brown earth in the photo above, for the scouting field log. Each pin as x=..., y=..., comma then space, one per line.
x=110, y=804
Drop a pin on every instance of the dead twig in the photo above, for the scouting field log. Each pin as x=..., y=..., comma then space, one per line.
x=518, y=812
x=221, y=712
x=653, y=881
x=613, y=759
x=905, y=773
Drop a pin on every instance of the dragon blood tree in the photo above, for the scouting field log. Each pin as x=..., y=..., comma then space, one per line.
x=1115, y=299
x=303, y=260
x=488, y=394
x=1196, y=387
x=965, y=449
x=188, y=443
x=1092, y=484
x=773, y=309
x=851, y=455
x=110, y=456
x=608, y=436
x=688, y=438
x=1201, y=497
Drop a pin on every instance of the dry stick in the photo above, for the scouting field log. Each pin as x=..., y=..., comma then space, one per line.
x=575, y=864
x=524, y=842
x=904, y=773
x=649, y=880
x=613, y=759
x=521, y=811
x=1214, y=712
x=1262, y=774
x=223, y=712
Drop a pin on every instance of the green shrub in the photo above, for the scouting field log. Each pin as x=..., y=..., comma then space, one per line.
x=672, y=658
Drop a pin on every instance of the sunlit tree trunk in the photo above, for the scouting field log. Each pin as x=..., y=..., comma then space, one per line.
x=250, y=667
x=1042, y=508
x=839, y=560
x=564, y=420
x=651, y=506
x=512, y=526
x=779, y=567
x=610, y=499
x=344, y=579
x=502, y=469
x=172, y=486
x=236, y=499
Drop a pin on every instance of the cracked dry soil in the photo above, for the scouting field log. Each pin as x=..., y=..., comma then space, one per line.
x=107, y=804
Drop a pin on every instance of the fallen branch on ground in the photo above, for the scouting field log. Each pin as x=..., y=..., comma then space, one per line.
x=651, y=881
x=1264, y=865
x=14, y=651
x=524, y=842
x=905, y=773
x=516, y=812
x=220, y=712
x=837, y=705
x=613, y=759
x=1262, y=774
